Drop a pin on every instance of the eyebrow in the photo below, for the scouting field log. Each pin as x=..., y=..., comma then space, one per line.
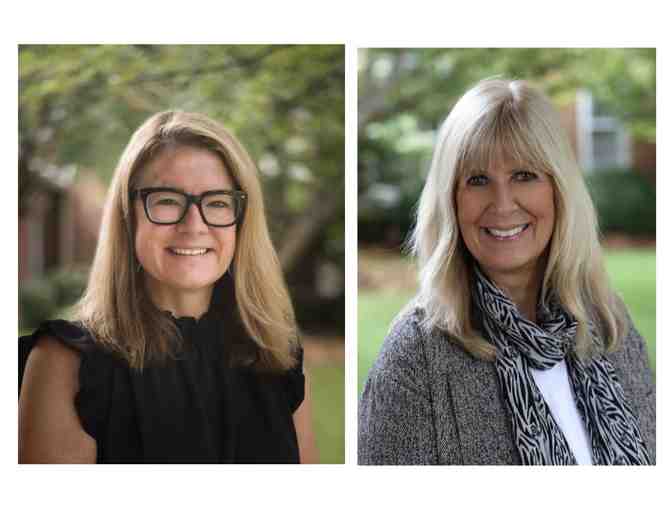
x=177, y=188
x=517, y=167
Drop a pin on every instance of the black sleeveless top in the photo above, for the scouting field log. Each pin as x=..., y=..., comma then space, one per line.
x=198, y=408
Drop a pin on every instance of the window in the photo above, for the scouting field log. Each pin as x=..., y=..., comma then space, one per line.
x=602, y=140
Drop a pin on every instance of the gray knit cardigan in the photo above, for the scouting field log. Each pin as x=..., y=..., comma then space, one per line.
x=427, y=401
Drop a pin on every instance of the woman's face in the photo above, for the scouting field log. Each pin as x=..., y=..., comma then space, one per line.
x=189, y=257
x=506, y=216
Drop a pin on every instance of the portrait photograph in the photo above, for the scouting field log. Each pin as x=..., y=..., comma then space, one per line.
x=507, y=256
x=181, y=254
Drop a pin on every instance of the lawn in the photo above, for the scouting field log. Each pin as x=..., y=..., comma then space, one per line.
x=375, y=311
x=632, y=273
x=326, y=386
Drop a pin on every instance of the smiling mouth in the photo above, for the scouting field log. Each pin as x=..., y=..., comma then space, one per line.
x=189, y=252
x=508, y=234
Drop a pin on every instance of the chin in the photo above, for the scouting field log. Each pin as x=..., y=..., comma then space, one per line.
x=191, y=283
x=195, y=284
x=510, y=266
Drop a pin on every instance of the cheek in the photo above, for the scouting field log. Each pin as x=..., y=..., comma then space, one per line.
x=142, y=244
x=467, y=211
x=542, y=206
x=227, y=243
x=546, y=205
x=147, y=239
x=139, y=239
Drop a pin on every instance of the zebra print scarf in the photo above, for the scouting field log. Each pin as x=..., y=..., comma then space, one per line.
x=611, y=425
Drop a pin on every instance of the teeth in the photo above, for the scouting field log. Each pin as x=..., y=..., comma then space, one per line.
x=506, y=233
x=186, y=251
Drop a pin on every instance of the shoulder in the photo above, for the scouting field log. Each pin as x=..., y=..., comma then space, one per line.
x=631, y=356
x=70, y=335
x=633, y=342
x=49, y=428
x=52, y=360
x=403, y=348
x=633, y=369
x=413, y=345
x=59, y=343
x=412, y=354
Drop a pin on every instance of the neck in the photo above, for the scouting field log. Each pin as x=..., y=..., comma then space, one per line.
x=183, y=303
x=523, y=291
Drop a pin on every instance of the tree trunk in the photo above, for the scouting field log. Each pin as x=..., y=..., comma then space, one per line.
x=326, y=205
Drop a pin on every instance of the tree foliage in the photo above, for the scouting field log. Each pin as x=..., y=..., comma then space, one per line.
x=427, y=82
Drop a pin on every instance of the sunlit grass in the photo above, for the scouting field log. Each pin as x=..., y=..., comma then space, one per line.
x=633, y=274
x=327, y=386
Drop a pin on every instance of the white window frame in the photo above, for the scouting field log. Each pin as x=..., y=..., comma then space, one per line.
x=587, y=124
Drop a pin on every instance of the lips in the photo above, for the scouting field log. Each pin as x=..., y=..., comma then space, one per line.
x=505, y=234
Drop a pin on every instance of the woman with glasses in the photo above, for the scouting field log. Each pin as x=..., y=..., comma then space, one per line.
x=184, y=346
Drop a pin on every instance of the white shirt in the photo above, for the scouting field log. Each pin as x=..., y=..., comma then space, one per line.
x=557, y=392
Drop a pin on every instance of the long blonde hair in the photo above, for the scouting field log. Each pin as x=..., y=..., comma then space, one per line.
x=510, y=118
x=116, y=307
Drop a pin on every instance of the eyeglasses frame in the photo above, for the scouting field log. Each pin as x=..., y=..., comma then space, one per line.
x=143, y=193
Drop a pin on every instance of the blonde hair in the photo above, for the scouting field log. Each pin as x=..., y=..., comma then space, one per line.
x=116, y=307
x=502, y=118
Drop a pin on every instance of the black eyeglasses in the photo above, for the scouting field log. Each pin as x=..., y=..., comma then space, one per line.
x=168, y=206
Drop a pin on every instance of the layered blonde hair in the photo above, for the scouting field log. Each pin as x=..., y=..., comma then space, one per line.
x=502, y=118
x=116, y=307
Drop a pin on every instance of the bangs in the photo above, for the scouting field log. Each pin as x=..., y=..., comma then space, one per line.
x=503, y=135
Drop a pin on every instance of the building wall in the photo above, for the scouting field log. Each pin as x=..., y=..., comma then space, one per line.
x=61, y=228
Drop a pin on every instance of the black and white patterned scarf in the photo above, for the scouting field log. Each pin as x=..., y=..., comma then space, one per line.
x=610, y=422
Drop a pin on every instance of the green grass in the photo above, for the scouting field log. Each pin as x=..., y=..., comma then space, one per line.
x=327, y=395
x=375, y=311
x=632, y=273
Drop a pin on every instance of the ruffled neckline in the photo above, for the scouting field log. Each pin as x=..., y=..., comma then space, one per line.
x=219, y=330
x=222, y=290
x=186, y=320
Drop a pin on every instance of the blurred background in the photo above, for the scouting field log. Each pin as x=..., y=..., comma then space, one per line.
x=78, y=106
x=607, y=99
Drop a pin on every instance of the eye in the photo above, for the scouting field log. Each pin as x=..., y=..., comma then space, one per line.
x=166, y=202
x=525, y=176
x=219, y=204
x=477, y=180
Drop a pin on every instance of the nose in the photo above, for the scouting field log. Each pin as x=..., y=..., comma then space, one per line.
x=192, y=221
x=503, y=199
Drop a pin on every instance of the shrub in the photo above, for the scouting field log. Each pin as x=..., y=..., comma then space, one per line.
x=69, y=285
x=37, y=302
x=42, y=299
x=625, y=202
